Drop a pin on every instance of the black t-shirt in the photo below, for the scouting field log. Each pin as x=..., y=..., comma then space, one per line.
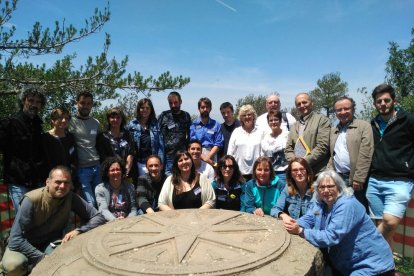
x=145, y=146
x=188, y=200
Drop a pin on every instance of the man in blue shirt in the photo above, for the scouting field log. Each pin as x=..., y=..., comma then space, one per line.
x=207, y=131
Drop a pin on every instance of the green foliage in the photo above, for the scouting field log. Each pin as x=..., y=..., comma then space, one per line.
x=405, y=266
x=407, y=103
x=257, y=101
x=330, y=87
x=368, y=110
x=101, y=75
x=400, y=68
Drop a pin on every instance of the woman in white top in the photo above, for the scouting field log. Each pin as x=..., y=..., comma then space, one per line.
x=274, y=143
x=245, y=141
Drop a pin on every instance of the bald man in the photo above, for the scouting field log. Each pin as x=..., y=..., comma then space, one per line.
x=309, y=137
x=273, y=103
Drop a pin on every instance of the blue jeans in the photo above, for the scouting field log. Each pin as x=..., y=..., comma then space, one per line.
x=168, y=165
x=16, y=193
x=89, y=178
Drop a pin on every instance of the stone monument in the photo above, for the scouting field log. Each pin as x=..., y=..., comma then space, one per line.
x=185, y=242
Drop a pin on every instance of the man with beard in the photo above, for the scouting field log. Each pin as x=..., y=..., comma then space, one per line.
x=273, y=103
x=20, y=142
x=175, y=127
x=392, y=168
x=149, y=185
x=207, y=131
x=85, y=129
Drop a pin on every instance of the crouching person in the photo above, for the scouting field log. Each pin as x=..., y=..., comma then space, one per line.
x=42, y=219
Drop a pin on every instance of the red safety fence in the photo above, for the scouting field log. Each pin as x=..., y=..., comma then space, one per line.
x=6, y=212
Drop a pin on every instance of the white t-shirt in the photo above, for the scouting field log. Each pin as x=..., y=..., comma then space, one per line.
x=274, y=147
x=245, y=148
x=207, y=170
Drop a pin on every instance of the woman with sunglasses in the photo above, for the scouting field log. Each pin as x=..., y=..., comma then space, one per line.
x=296, y=198
x=228, y=185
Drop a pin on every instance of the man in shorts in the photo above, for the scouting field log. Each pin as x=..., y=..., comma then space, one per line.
x=392, y=169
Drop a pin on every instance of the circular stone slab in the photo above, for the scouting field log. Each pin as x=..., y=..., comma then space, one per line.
x=182, y=242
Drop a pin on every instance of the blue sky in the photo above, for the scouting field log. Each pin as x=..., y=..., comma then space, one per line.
x=231, y=48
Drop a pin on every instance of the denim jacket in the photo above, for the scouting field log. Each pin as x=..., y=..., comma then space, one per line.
x=354, y=244
x=157, y=139
x=293, y=205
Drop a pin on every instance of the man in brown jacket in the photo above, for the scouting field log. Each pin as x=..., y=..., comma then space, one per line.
x=309, y=137
x=351, y=147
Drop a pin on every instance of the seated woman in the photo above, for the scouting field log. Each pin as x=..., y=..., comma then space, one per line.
x=186, y=188
x=262, y=192
x=228, y=184
x=115, y=197
x=338, y=224
x=296, y=198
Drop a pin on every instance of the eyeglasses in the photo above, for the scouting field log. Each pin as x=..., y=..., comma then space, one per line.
x=298, y=170
x=329, y=187
x=230, y=167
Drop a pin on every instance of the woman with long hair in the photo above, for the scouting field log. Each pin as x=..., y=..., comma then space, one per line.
x=228, y=185
x=146, y=134
x=186, y=188
x=296, y=198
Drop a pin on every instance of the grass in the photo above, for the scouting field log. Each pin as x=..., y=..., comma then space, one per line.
x=404, y=266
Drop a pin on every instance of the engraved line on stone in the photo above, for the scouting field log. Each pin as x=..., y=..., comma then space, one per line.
x=222, y=241
x=140, y=244
x=226, y=218
x=183, y=245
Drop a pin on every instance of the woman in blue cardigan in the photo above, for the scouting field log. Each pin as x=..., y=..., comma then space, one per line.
x=339, y=225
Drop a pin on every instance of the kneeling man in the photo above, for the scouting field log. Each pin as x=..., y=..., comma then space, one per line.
x=42, y=219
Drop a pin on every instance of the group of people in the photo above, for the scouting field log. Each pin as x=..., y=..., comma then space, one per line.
x=264, y=165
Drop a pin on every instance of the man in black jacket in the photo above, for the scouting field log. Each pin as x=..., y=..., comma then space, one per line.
x=392, y=169
x=20, y=142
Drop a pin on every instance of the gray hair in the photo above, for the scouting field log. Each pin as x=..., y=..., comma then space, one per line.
x=274, y=93
x=343, y=189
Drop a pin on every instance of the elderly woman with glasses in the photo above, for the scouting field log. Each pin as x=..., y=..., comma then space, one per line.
x=245, y=141
x=296, y=198
x=338, y=224
x=228, y=185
